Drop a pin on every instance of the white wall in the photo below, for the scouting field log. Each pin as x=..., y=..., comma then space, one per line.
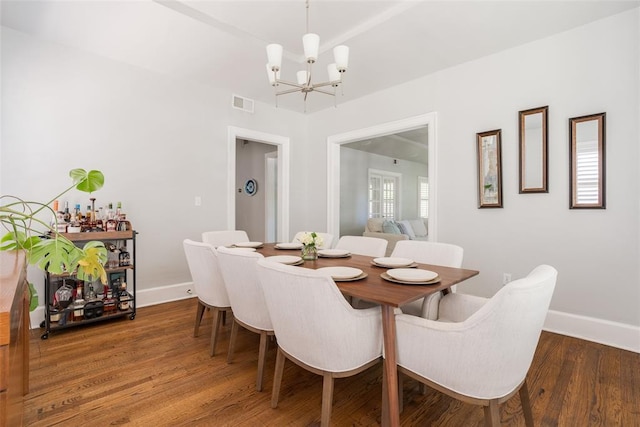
x=160, y=142
x=587, y=70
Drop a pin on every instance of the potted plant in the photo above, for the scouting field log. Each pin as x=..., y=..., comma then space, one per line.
x=43, y=244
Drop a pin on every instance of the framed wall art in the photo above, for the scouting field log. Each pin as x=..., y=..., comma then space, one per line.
x=489, y=169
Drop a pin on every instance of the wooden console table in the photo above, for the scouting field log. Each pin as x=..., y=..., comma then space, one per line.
x=14, y=337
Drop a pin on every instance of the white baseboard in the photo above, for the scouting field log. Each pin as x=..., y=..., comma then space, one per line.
x=619, y=335
x=614, y=334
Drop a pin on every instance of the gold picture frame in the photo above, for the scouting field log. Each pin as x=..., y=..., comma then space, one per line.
x=489, y=149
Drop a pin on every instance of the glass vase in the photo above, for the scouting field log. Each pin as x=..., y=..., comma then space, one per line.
x=309, y=253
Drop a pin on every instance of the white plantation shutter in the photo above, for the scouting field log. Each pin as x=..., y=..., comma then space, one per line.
x=587, y=171
x=384, y=189
x=423, y=196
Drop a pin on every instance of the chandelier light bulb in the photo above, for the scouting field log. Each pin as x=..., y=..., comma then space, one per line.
x=311, y=44
x=274, y=55
x=341, y=55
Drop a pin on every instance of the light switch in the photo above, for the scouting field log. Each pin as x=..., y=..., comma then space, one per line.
x=198, y=201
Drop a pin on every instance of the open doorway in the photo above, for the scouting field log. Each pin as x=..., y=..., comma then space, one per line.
x=258, y=184
x=424, y=124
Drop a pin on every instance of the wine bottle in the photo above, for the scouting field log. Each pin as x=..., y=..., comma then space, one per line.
x=67, y=214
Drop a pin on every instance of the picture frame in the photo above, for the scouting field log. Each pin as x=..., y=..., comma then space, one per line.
x=587, y=163
x=489, y=151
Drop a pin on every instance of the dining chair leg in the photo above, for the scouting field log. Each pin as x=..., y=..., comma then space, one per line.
x=327, y=399
x=277, y=378
x=262, y=356
x=492, y=414
x=217, y=314
x=232, y=341
x=526, y=404
x=199, y=314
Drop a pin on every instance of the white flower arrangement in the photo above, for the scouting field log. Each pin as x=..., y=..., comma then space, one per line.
x=311, y=239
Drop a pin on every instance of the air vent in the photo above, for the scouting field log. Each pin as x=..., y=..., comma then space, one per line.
x=240, y=103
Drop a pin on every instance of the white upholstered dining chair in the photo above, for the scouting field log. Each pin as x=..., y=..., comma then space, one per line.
x=435, y=253
x=208, y=284
x=317, y=329
x=326, y=237
x=240, y=273
x=479, y=350
x=224, y=237
x=360, y=245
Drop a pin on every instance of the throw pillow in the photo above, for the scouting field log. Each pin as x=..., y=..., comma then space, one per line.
x=390, y=227
x=375, y=225
x=408, y=228
x=418, y=227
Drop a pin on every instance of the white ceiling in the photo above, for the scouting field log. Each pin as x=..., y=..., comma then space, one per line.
x=222, y=43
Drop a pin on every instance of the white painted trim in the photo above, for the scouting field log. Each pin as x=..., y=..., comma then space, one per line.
x=333, y=165
x=614, y=334
x=283, y=144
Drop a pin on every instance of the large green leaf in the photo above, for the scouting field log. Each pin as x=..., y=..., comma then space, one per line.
x=87, y=181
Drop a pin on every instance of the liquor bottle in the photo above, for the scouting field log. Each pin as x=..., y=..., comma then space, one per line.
x=119, y=212
x=78, y=305
x=88, y=216
x=78, y=213
x=54, y=218
x=124, y=298
x=67, y=214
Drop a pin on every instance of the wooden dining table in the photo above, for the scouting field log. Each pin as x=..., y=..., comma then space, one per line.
x=389, y=295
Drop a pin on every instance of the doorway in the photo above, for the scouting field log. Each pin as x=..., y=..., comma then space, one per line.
x=427, y=121
x=241, y=186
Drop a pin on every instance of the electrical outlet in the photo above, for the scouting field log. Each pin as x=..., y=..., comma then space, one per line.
x=506, y=278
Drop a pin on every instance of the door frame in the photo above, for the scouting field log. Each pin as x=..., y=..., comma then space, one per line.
x=333, y=165
x=283, y=146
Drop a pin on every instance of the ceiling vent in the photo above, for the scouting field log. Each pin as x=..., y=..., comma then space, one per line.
x=240, y=103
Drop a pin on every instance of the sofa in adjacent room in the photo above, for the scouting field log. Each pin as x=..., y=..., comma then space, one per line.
x=393, y=231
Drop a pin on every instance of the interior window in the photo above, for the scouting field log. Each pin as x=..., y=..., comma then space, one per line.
x=384, y=189
x=423, y=196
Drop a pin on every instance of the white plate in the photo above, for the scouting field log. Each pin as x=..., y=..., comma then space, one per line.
x=393, y=262
x=334, y=253
x=284, y=259
x=286, y=245
x=340, y=272
x=248, y=244
x=412, y=274
x=244, y=249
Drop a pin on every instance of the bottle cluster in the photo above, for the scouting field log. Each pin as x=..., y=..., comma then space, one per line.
x=77, y=220
x=76, y=300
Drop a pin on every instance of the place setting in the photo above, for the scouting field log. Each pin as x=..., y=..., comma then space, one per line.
x=288, y=246
x=253, y=245
x=393, y=262
x=334, y=253
x=411, y=276
x=342, y=274
x=285, y=259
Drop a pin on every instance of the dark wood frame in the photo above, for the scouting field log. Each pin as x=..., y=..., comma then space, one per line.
x=522, y=115
x=601, y=120
x=498, y=154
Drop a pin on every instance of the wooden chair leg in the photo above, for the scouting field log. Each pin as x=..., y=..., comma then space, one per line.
x=492, y=414
x=277, y=378
x=199, y=314
x=232, y=341
x=217, y=314
x=327, y=399
x=224, y=318
x=262, y=357
x=526, y=404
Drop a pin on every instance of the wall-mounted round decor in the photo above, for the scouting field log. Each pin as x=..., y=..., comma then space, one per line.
x=251, y=187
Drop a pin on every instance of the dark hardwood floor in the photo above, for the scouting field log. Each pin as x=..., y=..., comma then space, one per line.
x=152, y=372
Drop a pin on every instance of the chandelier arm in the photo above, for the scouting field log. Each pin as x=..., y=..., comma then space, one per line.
x=317, y=85
x=284, y=82
x=323, y=91
x=284, y=92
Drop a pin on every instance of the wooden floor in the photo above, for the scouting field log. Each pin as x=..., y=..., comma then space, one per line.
x=152, y=372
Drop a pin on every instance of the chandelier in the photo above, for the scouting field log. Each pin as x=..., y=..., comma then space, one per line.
x=311, y=44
